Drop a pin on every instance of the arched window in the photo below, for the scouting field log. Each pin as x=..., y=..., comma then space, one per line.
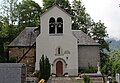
x=52, y=25
x=59, y=25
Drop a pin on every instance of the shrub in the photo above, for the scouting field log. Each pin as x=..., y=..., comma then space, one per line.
x=12, y=60
x=86, y=79
x=90, y=69
x=44, y=72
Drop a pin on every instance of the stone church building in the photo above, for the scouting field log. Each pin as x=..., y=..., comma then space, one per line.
x=66, y=49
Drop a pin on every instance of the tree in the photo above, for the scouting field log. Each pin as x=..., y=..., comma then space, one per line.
x=28, y=14
x=1, y=50
x=64, y=4
x=99, y=33
x=8, y=10
x=115, y=62
x=8, y=20
x=44, y=68
x=81, y=20
x=1, y=47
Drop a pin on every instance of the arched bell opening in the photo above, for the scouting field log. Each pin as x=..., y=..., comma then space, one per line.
x=52, y=25
x=59, y=25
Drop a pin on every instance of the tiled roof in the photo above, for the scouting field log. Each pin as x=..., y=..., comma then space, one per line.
x=26, y=38
x=83, y=39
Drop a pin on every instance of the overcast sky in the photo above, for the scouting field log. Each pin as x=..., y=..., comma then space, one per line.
x=108, y=11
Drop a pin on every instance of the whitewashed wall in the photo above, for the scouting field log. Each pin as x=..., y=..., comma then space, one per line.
x=46, y=44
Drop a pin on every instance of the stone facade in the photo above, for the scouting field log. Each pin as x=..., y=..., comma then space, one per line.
x=29, y=59
x=88, y=55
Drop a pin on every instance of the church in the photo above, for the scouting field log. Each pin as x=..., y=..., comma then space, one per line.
x=67, y=49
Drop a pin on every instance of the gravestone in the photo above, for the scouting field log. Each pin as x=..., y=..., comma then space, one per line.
x=12, y=73
x=118, y=78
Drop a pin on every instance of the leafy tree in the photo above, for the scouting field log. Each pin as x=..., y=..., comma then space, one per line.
x=44, y=68
x=28, y=14
x=81, y=19
x=64, y=4
x=7, y=31
x=7, y=34
x=1, y=47
x=8, y=10
x=8, y=20
x=2, y=57
x=99, y=33
x=115, y=62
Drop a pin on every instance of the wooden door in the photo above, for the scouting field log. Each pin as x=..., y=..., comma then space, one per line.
x=59, y=68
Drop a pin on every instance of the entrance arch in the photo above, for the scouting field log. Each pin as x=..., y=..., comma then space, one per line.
x=59, y=68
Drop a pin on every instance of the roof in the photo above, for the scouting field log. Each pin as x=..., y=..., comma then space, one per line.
x=58, y=8
x=83, y=39
x=26, y=38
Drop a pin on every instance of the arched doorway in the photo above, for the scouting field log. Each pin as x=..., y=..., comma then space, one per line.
x=59, y=68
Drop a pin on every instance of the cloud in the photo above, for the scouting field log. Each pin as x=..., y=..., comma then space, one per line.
x=108, y=11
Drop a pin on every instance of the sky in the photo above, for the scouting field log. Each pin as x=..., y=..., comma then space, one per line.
x=108, y=11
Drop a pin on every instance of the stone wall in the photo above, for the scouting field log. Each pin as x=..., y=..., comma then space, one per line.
x=88, y=55
x=12, y=73
x=29, y=59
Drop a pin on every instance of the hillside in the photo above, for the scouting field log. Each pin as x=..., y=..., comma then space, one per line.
x=115, y=44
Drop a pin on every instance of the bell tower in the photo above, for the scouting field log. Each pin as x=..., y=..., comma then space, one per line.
x=55, y=39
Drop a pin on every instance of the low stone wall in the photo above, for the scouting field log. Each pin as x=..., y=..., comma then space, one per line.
x=12, y=73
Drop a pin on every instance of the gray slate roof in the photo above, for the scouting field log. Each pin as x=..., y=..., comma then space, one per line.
x=83, y=39
x=28, y=36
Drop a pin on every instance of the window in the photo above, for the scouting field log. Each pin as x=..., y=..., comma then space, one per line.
x=59, y=25
x=55, y=26
x=52, y=25
x=59, y=51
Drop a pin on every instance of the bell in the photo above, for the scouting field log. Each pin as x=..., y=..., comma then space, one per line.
x=52, y=25
x=59, y=25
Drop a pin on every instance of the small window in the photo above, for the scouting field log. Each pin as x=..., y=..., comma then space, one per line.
x=52, y=25
x=59, y=51
x=59, y=25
